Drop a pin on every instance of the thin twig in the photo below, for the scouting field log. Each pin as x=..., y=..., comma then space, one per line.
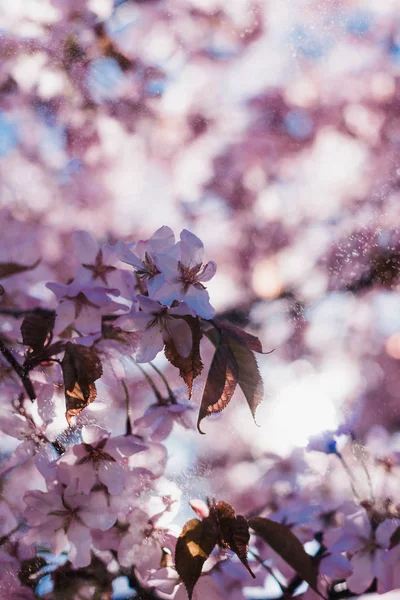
x=169, y=390
x=19, y=370
x=350, y=475
x=268, y=568
x=150, y=382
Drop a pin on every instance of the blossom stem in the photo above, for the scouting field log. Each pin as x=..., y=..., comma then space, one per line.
x=267, y=568
x=169, y=390
x=350, y=475
x=150, y=382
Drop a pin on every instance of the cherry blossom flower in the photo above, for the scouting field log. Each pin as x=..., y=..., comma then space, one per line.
x=98, y=458
x=366, y=547
x=64, y=519
x=100, y=266
x=82, y=306
x=147, y=256
x=159, y=419
x=33, y=432
x=184, y=281
x=158, y=325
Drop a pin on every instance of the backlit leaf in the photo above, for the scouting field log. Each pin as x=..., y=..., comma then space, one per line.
x=221, y=382
x=193, y=547
x=248, y=374
x=283, y=541
x=190, y=367
x=233, y=531
x=81, y=367
x=240, y=336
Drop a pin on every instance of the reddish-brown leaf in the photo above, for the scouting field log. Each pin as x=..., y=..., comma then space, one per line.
x=193, y=547
x=221, y=382
x=249, y=378
x=36, y=329
x=8, y=269
x=190, y=367
x=240, y=336
x=81, y=367
x=283, y=541
x=233, y=531
x=248, y=375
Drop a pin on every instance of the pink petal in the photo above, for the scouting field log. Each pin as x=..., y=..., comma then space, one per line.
x=199, y=300
x=155, y=283
x=127, y=256
x=88, y=321
x=168, y=266
x=335, y=566
x=152, y=414
x=358, y=524
x=192, y=249
x=169, y=292
x=385, y=531
x=86, y=248
x=98, y=518
x=20, y=456
x=14, y=425
x=162, y=429
x=363, y=573
x=182, y=309
x=348, y=543
x=136, y=322
x=200, y=508
x=124, y=445
x=164, y=580
x=112, y=475
x=181, y=335
x=162, y=239
x=209, y=271
x=91, y=434
x=153, y=459
x=151, y=343
x=80, y=540
x=148, y=305
x=65, y=316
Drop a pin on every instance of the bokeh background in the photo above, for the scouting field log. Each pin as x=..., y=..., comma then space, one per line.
x=270, y=129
